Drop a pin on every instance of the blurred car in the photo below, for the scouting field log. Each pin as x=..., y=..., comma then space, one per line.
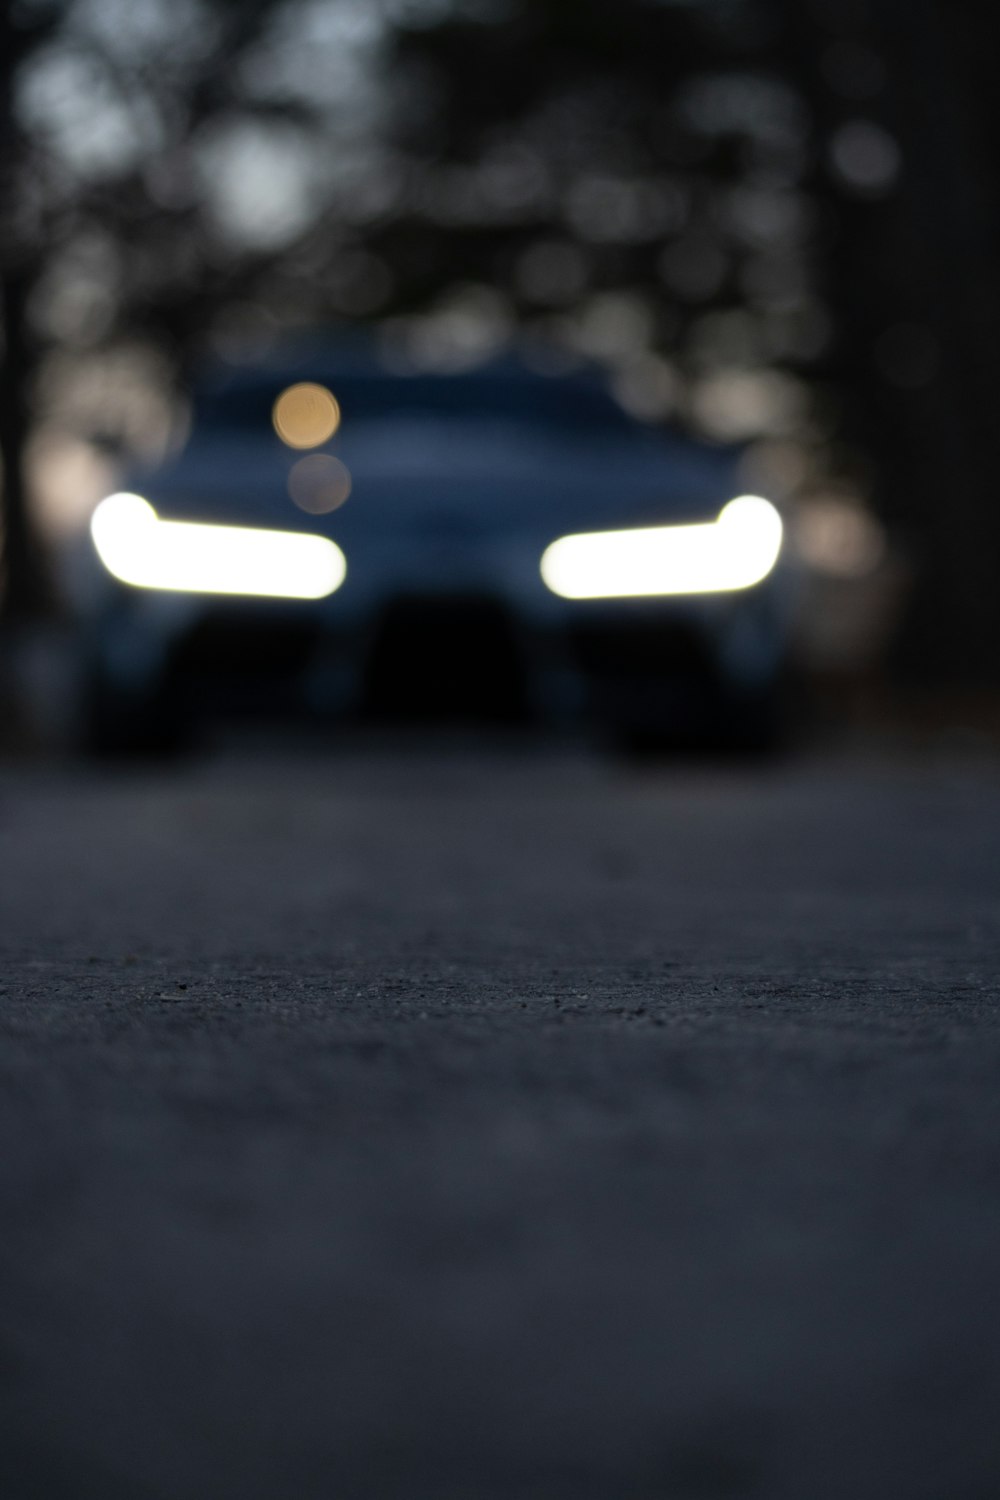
x=339, y=537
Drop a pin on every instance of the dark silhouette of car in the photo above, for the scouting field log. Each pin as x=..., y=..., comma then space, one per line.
x=339, y=537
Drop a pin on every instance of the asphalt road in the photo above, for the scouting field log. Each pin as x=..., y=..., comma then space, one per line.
x=483, y=1125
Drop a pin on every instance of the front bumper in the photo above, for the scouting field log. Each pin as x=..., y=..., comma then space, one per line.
x=459, y=654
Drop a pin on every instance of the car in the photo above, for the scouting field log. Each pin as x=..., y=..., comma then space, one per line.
x=342, y=537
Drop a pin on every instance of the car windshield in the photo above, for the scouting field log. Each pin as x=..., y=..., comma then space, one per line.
x=246, y=406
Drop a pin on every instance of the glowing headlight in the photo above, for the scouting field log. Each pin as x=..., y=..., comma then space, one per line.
x=735, y=551
x=138, y=548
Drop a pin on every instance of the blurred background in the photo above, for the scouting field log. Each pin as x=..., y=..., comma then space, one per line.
x=769, y=224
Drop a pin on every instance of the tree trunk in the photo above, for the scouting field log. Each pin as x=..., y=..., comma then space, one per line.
x=924, y=255
x=23, y=592
x=25, y=595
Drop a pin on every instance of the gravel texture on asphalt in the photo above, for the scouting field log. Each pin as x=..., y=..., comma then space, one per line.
x=476, y=1125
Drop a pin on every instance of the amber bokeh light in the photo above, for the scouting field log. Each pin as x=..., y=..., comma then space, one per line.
x=319, y=483
x=306, y=415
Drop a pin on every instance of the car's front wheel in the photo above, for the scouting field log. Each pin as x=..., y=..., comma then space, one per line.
x=727, y=724
x=146, y=720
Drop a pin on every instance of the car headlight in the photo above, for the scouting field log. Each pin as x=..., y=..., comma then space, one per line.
x=735, y=551
x=190, y=557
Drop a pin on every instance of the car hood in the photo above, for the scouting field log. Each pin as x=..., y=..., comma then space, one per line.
x=471, y=478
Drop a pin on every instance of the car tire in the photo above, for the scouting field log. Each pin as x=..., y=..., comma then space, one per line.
x=734, y=727
x=116, y=724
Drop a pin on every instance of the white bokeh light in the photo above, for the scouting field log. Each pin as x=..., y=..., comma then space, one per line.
x=138, y=548
x=737, y=550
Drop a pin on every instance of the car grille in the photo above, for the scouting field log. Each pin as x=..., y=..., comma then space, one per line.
x=450, y=658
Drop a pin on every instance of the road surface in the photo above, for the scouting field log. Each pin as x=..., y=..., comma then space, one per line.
x=470, y=1124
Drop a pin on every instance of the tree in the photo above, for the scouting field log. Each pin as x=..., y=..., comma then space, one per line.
x=112, y=117
x=906, y=129
x=22, y=590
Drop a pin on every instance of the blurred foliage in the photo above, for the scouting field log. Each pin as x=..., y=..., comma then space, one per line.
x=775, y=219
